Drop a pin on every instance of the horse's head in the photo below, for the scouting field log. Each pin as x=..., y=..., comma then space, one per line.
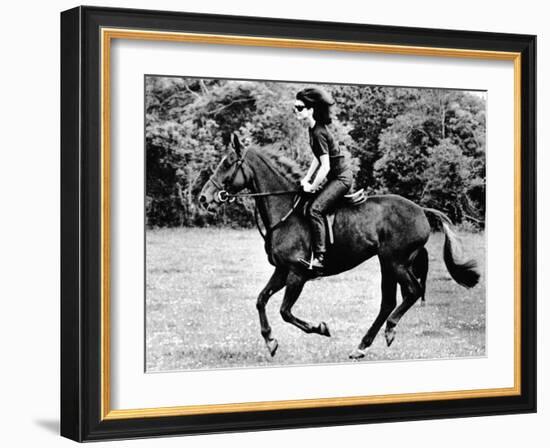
x=230, y=176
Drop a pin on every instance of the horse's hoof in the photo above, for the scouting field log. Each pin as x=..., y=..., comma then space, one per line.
x=357, y=353
x=390, y=336
x=323, y=330
x=272, y=346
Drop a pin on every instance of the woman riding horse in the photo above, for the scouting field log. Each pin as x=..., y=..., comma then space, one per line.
x=388, y=226
x=329, y=163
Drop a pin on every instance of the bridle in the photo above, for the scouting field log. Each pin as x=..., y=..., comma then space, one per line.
x=225, y=196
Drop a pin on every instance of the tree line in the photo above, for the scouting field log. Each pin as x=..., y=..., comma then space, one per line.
x=427, y=145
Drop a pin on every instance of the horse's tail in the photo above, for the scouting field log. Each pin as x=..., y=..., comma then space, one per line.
x=466, y=272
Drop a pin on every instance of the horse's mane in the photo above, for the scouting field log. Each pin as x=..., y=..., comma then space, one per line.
x=287, y=167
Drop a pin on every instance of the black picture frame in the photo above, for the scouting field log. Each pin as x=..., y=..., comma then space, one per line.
x=81, y=208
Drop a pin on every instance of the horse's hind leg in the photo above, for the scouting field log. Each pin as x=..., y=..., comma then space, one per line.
x=411, y=291
x=420, y=270
x=275, y=283
x=389, y=290
x=294, y=285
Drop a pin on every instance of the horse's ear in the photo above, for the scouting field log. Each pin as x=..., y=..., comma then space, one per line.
x=236, y=144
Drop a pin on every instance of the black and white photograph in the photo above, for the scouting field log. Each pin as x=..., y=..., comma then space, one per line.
x=292, y=223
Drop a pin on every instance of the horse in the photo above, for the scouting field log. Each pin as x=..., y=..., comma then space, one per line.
x=389, y=226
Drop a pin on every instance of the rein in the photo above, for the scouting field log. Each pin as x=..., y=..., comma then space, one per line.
x=260, y=195
x=224, y=195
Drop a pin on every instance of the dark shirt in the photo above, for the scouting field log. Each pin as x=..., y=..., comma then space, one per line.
x=321, y=142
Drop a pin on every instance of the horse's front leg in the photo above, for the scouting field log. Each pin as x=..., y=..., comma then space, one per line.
x=275, y=283
x=294, y=285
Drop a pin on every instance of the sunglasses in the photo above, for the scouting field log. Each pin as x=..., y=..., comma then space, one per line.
x=299, y=107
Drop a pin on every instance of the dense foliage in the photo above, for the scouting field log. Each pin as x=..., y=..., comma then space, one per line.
x=425, y=144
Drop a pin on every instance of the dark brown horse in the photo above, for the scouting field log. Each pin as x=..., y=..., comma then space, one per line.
x=389, y=226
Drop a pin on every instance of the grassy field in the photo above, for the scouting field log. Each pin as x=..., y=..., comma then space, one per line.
x=201, y=293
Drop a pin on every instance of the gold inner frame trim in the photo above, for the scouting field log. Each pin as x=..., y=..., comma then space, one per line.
x=107, y=35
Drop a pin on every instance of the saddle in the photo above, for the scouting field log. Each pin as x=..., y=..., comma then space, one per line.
x=351, y=199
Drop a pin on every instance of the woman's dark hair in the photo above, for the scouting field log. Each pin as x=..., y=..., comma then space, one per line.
x=319, y=100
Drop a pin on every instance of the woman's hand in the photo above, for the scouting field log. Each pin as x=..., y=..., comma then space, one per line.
x=307, y=187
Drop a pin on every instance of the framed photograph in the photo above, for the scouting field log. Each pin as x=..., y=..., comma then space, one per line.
x=273, y=223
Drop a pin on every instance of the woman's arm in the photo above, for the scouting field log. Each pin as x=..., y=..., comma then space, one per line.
x=320, y=147
x=310, y=171
x=322, y=172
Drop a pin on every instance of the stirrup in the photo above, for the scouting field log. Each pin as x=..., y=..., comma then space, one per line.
x=309, y=264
